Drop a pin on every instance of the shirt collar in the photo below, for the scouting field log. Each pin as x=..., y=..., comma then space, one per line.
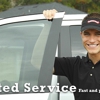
x=86, y=59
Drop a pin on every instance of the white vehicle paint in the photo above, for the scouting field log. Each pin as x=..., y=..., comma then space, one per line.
x=68, y=20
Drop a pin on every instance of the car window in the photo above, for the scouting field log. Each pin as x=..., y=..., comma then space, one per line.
x=21, y=48
x=76, y=42
x=24, y=50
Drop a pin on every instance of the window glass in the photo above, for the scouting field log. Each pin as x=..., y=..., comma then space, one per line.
x=22, y=48
x=76, y=42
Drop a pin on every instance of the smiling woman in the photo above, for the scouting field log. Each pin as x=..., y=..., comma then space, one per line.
x=91, y=42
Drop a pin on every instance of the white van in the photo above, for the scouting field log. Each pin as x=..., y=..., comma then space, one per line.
x=28, y=46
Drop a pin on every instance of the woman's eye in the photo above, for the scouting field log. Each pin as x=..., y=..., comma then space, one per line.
x=98, y=33
x=86, y=34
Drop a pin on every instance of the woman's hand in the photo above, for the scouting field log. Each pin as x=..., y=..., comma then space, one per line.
x=49, y=14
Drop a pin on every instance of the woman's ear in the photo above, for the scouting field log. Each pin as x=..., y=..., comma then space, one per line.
x=81, y=33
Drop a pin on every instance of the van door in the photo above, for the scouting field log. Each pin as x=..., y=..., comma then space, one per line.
x=27, y=49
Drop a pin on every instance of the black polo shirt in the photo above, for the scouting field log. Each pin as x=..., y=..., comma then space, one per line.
x=82, y=73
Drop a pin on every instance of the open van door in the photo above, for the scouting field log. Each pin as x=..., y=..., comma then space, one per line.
x=27, y=48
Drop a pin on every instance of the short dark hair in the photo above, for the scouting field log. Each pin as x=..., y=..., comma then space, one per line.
x=92, y=15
